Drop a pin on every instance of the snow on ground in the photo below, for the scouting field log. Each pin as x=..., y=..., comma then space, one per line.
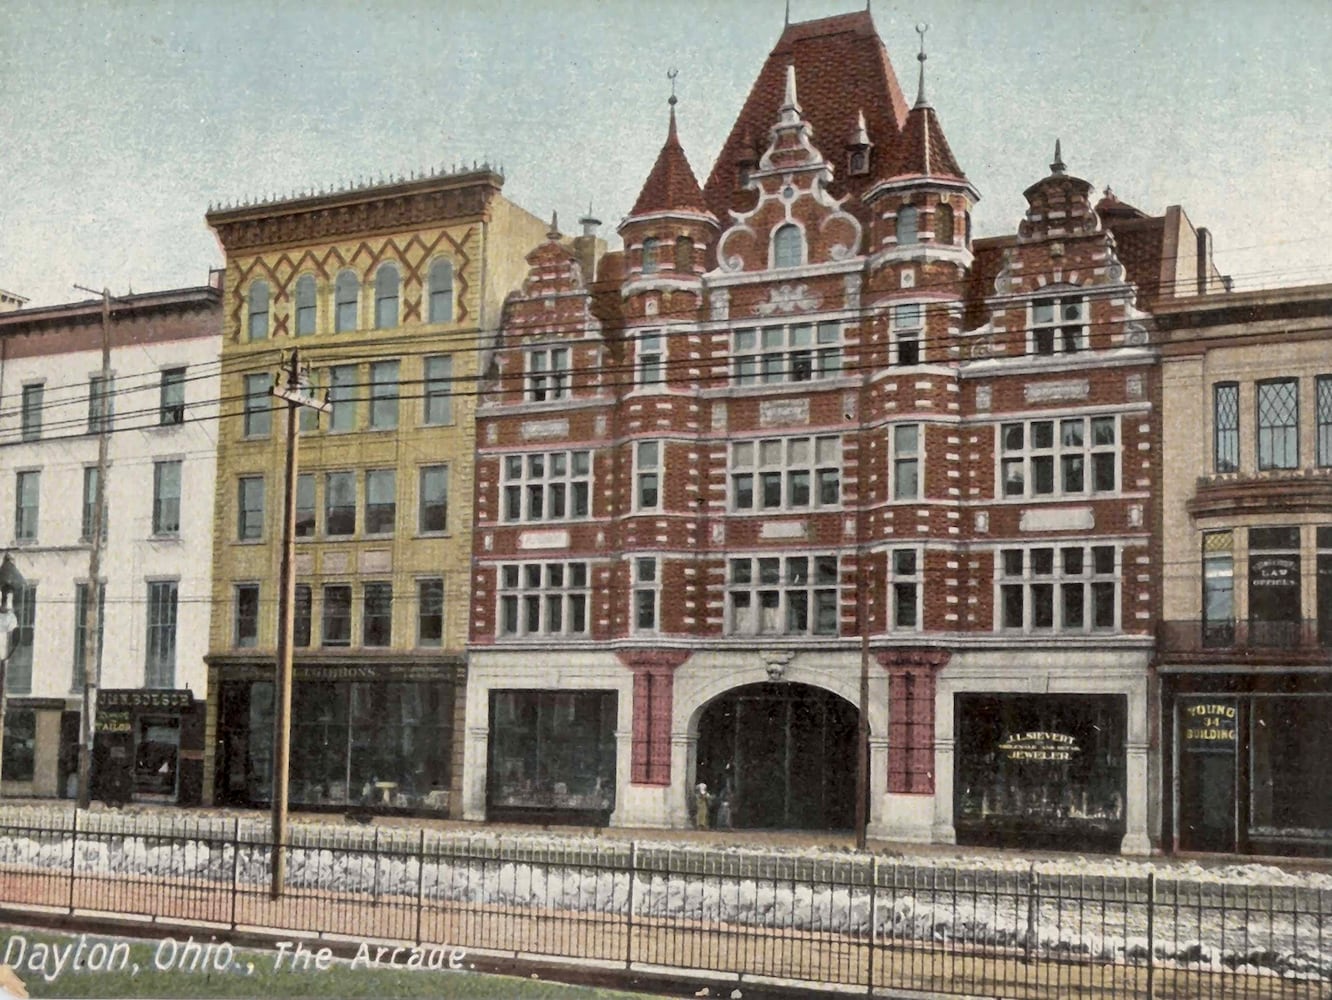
x=1243, y=916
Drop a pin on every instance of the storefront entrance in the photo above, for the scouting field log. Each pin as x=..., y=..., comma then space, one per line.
x=1040, y=771
x=779, y=756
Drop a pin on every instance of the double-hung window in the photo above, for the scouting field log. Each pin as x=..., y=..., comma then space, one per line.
x=346, y=299
x=1279, y=424
x=171, y=405
x=547, y=374
x=1218, y=596
x=386, y=297
x=438, y=401
x=27, y=495
x=1058, y=325
x=250, y=508
x=90, y=505
x=33, y=396
x=786, y=595
x=908, y=328
x=160, y=668
x=166, y=497
x=647, y=588
x=547, y=486
x=1225, y=426
x=651, y=255
x=337, y=615
x=100, y=403
x=245, y=634
x=906, y=461
x=306, y=305
x=793, y=473
x=904, y=583
x=18, y=675
x=441, y=291
x=258, y=303
x=258, y=412
x=430, y=612
x=1073, y=456
x=651, y=355
x=907, y=218
x=433, y=502
x=543, y=598
x=340, y=503
x=647, y=475
x=381, y=504
x=384, y=395
x=377, y=615
x=795, y=353
x=342, y=398
x=1068, y=588
x=788, y=246
x=83, y=631
x=306, y=510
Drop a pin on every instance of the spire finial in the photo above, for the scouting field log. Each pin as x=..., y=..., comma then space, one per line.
x=791, y=100
x=671, y=74
x=921, y=101
x=554, y=233
x=1058, y=166
x=787, y=22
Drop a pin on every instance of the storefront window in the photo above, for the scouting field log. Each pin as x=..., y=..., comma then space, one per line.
x=552, y=752
x=20, y=743
x=1037, y=770
x=381, y=744
x=1274, y=587
x=1288, y=785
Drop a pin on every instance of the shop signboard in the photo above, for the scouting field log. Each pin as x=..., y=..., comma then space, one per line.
x=1208, y=726
x=1036, y=747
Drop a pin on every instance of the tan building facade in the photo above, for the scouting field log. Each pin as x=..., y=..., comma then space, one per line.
x=1246, y=529
x=390, y=294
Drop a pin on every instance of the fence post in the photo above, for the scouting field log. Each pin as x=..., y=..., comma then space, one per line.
x=1151, y=935
x=1033, y=888
x=235, y=867
x=873, y=920
x=629, y=908
x=420, y=886
x=73, y=856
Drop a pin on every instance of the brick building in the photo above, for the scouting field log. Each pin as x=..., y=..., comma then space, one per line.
x=805, y=423
x=389, y=292
x=1246, y=499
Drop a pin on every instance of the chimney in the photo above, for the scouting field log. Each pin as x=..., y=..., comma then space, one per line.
x=1204, y=260
x=588, y=248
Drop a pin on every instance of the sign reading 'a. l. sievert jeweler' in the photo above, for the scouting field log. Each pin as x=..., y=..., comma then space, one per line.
x=1039, y=746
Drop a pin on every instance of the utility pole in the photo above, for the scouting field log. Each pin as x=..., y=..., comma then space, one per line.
x=92, y=652
x=862, y=609
x=295, y=396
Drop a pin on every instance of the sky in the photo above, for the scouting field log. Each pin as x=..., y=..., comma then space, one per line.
x=120, y=122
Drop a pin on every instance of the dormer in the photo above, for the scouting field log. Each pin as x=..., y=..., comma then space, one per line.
x=922, y=208
x=669, y=232
x=795, y=224
x=859, y=149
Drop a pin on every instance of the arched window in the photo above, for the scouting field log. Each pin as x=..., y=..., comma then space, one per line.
x=684, y=254
x=345, y=296
x=259, y=310
x=386, y=297
x=966, y=217
x=441, y=291
x=943, y=224
x=305, y=305
x=650, y=249
x=788, y=247
x=906, y=225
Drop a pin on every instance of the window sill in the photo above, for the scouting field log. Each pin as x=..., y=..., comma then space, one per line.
x=433, y=534
x=165, y=536
x=249, y=541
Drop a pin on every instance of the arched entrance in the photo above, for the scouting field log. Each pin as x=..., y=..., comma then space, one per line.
x=783, y=754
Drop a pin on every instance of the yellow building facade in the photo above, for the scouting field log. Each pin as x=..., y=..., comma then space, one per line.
x=390, y=295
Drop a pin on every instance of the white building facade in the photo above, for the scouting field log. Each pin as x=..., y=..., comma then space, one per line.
x=160, y=408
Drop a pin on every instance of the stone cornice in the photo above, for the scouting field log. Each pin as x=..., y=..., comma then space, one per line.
x=325, y=218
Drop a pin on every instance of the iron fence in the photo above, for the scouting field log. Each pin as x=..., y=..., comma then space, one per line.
x=850, y=921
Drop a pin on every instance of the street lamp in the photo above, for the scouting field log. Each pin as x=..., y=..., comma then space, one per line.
x=11, y=581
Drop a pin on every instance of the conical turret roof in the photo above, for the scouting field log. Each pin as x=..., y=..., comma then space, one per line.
x=671, y=186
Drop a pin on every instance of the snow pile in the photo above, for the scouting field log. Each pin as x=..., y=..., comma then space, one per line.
x=1243, y=918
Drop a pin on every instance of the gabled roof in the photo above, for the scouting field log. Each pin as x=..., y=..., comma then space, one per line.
x=843, y=67
x=923, y=151
x=671, y=186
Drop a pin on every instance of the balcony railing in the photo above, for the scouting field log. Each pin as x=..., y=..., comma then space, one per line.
x=1308, y=636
